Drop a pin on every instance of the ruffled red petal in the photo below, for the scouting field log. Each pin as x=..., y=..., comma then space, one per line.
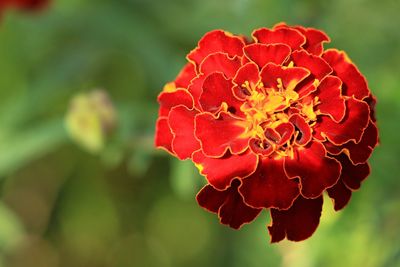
x=185, y=76
x=163, y=135
x=340, y=195
x=288, y=36
x=290, y=76
x=196, y=88
x=330, y=97
x=220, y=62
x=262, y=54
x=354, y=83
x=216, y=91
x=216, y=41
x=269, y=187
x=315, y=170
x=297, y=223
x=351, y=127
x=357, y=152
x=169, y=100
x=218, y=134
x=353, y=175
x=315, y=40
x=181, y=121
x=228, y=204
x=221, y=171
x=318, y=67
x=247, y=73
x=304, y=129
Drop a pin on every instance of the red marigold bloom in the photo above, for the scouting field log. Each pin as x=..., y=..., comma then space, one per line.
x=271, y=122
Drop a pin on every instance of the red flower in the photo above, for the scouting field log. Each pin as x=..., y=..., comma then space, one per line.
x=272, y=123
x=23, y=4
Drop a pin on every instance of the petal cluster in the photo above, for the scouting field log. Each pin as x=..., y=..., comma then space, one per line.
x=272, y=122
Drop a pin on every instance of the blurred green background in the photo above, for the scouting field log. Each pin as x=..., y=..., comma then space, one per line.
x=126, y=204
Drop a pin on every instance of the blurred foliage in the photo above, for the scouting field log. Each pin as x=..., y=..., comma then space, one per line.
x=130, y=205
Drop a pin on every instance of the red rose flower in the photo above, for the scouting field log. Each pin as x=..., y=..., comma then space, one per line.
x=271, y=123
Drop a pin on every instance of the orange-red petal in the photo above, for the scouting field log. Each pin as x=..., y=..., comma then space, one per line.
x=291, y=37
x=315, y=170
x=297, y=223
x=290, y=76
x=169, y=100
x=315, y=40
x=216, y=91
x=181, y=121
x=163, y=135
x=351, y=127
x=262, y=54
x=330, y=97
x=185, y=76
x=228, y=204
x=220, y=172
x=218, y=134
x=216, y=41
x=220, y=62
x=318, y=67
x=269, y=187
x=354, y=83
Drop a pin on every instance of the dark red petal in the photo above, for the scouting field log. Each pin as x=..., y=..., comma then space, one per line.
x=269, y=186
x=318, y=67
x=169, y=100
x=297, y=223
x=340, y=195
x=211, y=199
x=315, y=170
x=229, y=204
x=354, y=83
x=220, y=62
x=290, y=37
x=181, y=121
x=221, y=171
x=217, y=134
x=163, y=135
x=263, y=148
x=304, y=129
x=216, y=41
x=185, y=76
x=262, y=54
x=196, y=88
x=371, y=101
x=285, y=130
x=350, y=128
x=216, y=91
x=330, y=97
x=353, y=175
x=315, y=40
x=290, y=76
x=358, y=153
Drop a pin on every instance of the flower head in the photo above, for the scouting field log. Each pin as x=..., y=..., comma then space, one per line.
x=271, y=122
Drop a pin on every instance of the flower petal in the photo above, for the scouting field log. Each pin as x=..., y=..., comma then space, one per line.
x=354, y=83
x=169, y=100
x=262, y=54
x=353, y=175
x=229, y=204
x=181, y=121
x=351, y=127
x=315, y=170
x=297, y=223
x=163, y=135
x=247, y=73
x=290, y=76
x=318, y=67
x=340, y=195
x=221, y=171
x=196, y=88
x=269, y=187
x=218, y=134
x=220, y=62
x=360, y=152
x=185, y=76
x=288, y=36
x=216, y=91
x=216, y=41
x=303, y=128
x=330, y=98
x=315, y=40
